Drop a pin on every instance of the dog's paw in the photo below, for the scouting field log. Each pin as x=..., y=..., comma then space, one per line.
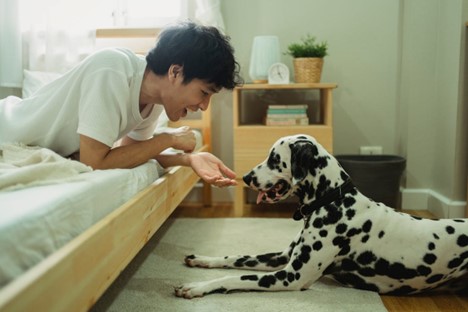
x=189, y=291
x=197, y=261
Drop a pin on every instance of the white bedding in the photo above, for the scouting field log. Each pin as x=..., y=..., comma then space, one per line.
x=36, y=221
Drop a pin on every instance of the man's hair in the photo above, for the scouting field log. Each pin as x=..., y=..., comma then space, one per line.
x=203, y=52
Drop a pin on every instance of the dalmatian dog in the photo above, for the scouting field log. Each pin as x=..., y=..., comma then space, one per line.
x=346, y=236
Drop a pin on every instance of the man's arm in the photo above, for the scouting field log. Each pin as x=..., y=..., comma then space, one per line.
x=133, y=153
x=129, y=154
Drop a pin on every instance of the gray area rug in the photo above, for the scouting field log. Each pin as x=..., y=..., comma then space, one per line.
x=147, y=284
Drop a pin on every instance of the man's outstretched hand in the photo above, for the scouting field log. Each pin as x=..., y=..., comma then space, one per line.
x=212, y=170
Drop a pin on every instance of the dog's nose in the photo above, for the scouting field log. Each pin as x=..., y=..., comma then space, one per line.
x=247, y=178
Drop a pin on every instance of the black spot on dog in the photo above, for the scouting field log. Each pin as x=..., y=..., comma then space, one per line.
x=355, y=281
x=240, y=262
x=341, y=228
x=431, y=246
x=381, y=234
x=317, y=246
x=297, y=265
x=353, y=231
x=424, y=270
x=272, y=259
x=349, y=265
x=249, y=278
x=367, y=226
x=348, y=201
x=274, y=160
x=450, y=229
x=323, y=233
x=366, y=258
x=429, y=258
x=318, y=223
x=365, y=238
x=462, y=240
x=350, y=213
x=434, y=278
x=251, y=263
x=435, y=236
x=281, y=275
x=305, y=253
x=267, y=281
x=334, y=215
x=456, y=262
x=220, y=290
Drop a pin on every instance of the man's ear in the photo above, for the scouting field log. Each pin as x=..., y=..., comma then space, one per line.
x=175, y=71
x=302, y=156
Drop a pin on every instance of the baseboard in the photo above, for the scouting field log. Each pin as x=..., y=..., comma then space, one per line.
x=437, y=204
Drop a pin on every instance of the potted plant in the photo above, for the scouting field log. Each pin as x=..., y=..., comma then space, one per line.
x=308, y=59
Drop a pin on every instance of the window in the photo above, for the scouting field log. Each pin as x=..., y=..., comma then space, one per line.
x=103, y=13
x=144, y=13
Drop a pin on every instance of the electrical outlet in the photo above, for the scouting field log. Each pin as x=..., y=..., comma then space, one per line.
x=370, y=150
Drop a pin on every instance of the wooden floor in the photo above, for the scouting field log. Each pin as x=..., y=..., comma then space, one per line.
x=426, y=303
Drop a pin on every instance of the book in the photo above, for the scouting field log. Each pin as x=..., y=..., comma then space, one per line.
x=288, y=106
x=286, y=111
x=287, y=115
x=303, y=121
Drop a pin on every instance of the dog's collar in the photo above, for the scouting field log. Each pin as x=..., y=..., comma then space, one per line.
x=304, y=211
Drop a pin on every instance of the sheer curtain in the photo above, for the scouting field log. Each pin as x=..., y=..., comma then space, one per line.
x=57, y=34
x=208, y=12
x=11, y=74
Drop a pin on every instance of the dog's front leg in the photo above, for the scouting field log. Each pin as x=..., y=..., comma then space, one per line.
x=300, y=272
x=264, y=262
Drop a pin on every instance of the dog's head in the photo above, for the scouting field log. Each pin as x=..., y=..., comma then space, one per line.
x=297, y=165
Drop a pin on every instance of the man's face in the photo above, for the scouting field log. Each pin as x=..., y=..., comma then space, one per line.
x=188, y=97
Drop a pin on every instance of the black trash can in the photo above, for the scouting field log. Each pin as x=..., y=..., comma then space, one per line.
x=376, y=176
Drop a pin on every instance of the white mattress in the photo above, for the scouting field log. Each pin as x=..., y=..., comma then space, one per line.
x=36, y=221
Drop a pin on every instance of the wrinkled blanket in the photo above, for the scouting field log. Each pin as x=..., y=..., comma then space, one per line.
x=24, y=166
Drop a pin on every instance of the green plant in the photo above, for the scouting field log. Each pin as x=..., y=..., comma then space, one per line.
x=308, y=48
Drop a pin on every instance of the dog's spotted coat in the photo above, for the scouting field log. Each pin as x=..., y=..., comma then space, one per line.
x=350, y=238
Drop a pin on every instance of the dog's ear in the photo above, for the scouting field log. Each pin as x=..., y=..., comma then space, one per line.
x=302, y=156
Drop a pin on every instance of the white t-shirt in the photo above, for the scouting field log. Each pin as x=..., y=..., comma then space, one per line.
x=98, y=98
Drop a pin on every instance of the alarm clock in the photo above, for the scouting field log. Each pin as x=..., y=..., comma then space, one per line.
x=278, y=73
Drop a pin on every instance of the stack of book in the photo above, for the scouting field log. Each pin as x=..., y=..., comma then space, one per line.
x=287, y=115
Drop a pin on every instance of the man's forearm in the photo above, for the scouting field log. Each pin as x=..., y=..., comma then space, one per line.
x=171, y=160
x=129, y=155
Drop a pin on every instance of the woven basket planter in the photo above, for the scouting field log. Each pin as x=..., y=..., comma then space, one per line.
x=307, y=69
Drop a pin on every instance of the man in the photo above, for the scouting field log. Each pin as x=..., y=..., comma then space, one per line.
x=116, y=95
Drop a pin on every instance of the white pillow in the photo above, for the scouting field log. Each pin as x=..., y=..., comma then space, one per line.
x=33, y=80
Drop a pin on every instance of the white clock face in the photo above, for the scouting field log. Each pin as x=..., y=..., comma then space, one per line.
x=278, y=74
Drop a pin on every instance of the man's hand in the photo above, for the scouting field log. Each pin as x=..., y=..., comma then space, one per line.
x=184, y=139
x=212, y=170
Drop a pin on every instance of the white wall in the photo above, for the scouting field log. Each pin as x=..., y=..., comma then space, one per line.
x=431, y=98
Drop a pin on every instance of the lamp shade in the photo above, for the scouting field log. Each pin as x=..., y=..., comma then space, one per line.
x=265, y=52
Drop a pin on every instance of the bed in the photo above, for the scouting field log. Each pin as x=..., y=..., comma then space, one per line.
x=79, y=267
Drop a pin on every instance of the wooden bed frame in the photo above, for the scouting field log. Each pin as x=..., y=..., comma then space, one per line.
x=76, y=275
